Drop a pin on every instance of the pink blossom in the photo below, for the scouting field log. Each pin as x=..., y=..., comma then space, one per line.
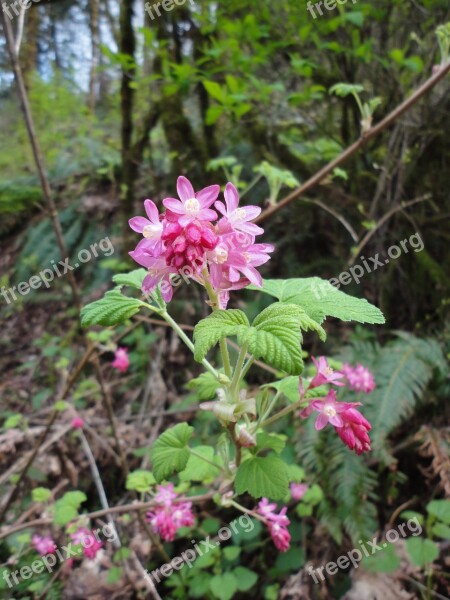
x=91, y=545
x=192, y=206
x=170, y=514
x=329, y=410
x=360, y=378
x=43, y=544
x=298, y=490
x=354, y=431
x=121, y=360
x=77, y=423
x=325, y=374
x=185, y=241
x=276, y=523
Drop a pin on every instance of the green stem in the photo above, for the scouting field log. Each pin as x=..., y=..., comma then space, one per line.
x=247, y=366
x=215, y=306
x=282, y=413
x=239, y=369
x=268, y=411
x=210, y=462
x=246, y=510
x=165, y=315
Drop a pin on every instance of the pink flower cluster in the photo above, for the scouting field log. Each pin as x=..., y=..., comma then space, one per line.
x=85, y=537
x=348, y=422
x=43, y=544
x=359, y=378
x=298, y=490
x=168, y=516
x=276, y=524
x=121, y=360
x=184, y=240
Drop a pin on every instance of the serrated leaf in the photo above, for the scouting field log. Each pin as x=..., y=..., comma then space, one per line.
x=215, y=90
x=206, y=386
x=198, y=469
x=66, y=508
x=170, y=452
x=263, y=476
x=421, y=551
x=440, y=509
x=287, y=386
x=345, y=89
x=112, y=309
x=140, y=480
x=133, y=279
x=383, y=561
x=273, y=441
x=223, y=586
x=41, y=494
x=441, y=530
x=221, y=323
x=276, y=338
x=245, y=578
x=320, y=299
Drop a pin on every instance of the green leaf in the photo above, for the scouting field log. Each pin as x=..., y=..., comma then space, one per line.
x=196, y=468
x=112, y=309
x=304, y=510
x=114, y=575
x=320, y=299
x=206, y=386
x=296, y=473
x=421, y=551
x=263, y=476
x=12, y=421
x=441, y=530
x=283, y=310
x=274, y=441
x=287, y=386
x=440, y=509
x=313, y=496
x=275, y=336
x=384, y=561
x=245, y=578
x=231, y=552
x=292, y=560
x=66, y=508
x=170, y=452
x=215, y=90
x=133, y=279
x=221, y=323
x=140, y=480
x=345, y=89
x=223, y=586
x=41, y=494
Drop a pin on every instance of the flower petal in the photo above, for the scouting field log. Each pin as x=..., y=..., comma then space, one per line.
x=151, y=210
x=174, y=205
x=138, y=223
x=208, y=195
x=231, y=197
x=185, y=189
x=321, y=421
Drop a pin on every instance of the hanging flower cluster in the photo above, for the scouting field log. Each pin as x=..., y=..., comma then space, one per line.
x=85, y=537
x=43, y=544
x=348, y=422
x=276, y=523
x=359, y=378
x=192, y=240
x=169, y=514
x=121, y=360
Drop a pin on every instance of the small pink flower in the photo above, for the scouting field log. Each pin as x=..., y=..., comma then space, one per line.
x=77, y=423
x=298, y=490
x=325, y=374
x=192, y=206
x=354, y=431
x=121, y=360
x=43, y=544
x=235, y=218
x=360, y=378
x=86, y=538
x=150, y=228
x=276, y=523
x=168, y=515
x=329, y=410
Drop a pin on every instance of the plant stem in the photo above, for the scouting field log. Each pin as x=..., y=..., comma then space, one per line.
x=282, y=413
x=238, y=370
x=210, y=462
x=165, y=315
x=261, y=420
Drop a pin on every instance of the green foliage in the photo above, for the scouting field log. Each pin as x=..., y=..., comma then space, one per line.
x=170, y=451
x=112, y=309
x=263, y=476
x=66, y=508
x=132, y=279
x=41, y=494
x=320, y=299
x=140, y=480
x=421, y=552
x=219, y=324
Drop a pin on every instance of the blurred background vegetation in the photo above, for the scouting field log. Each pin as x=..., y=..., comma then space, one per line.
x=240, y=90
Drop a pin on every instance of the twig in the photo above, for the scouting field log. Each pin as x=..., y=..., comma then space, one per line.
x=372, y=132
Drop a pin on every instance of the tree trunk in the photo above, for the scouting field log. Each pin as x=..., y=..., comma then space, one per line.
x=94, y=10
x=29, y=44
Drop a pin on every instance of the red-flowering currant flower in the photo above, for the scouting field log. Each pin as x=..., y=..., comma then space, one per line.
x=77, y=423
x=276, y=524
x=43, y=544
x=329, y=410
x=360, y=378
x=91, y=545
x=325, y=374
x=298, y=490
x=185, y=241
x=169, y=516
x=121, y=360
x=354, y=431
